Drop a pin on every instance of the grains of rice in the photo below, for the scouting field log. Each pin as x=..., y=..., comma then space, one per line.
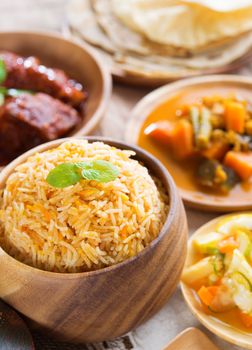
x=86, y=226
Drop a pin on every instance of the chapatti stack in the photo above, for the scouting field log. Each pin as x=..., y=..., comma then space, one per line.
x=164, y=40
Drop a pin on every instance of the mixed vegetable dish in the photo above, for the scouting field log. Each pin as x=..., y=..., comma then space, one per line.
x=222, y=273
x=217, y=131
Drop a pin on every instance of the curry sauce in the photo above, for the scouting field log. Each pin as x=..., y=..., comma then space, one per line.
x=184, y=171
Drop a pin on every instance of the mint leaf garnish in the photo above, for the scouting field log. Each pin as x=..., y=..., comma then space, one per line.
x=18, y=92
x=3, y=71
x=68, y=174
x=14, y=92
x=99, y=170
x=64, y=175
x=2, y=99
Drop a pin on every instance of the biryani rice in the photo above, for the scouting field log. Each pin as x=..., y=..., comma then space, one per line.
x=82, y=227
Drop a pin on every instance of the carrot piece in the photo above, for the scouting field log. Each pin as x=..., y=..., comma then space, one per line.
x=206, y=295
x=45, y=212
x=216, y=150
x=183, y=111
x=228, y=245
x=177, y=135
x=218, y=283
x=240, y=162
x=210, y=100
x=213, y=290
x=246, y=319
x=161, y=131
x=182, y=139
x=124, y=232
x=235, y=116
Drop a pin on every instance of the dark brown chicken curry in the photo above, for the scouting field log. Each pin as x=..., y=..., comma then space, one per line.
x=37, y=104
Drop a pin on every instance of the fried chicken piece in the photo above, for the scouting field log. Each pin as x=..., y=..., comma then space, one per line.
x=29, y=120
x=29, y=74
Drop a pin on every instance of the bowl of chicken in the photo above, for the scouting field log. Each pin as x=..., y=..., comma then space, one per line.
x=50, y=87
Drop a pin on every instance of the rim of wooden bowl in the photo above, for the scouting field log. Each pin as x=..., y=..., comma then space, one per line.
x=140, y=154
x=222, y=330
x=101, y=68
x=148, y=103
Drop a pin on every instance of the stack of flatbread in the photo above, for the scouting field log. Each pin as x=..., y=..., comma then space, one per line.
x=165, y=40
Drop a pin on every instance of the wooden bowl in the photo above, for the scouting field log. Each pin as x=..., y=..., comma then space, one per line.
x=192, y=89
x=221, y=329
x=191, y=338
x=78, y=60
x=103, y=304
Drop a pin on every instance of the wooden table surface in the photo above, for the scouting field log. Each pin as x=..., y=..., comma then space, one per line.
x=49, y=15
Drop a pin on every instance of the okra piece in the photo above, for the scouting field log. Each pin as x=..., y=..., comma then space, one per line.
x=195, y=118
x=205, y=128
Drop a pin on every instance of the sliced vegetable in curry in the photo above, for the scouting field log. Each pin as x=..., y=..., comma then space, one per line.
x=222, y=273
x=217, y=131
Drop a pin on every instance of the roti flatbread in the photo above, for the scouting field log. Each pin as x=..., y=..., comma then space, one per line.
x=83, y=20
x=127, y=51
x=125, y=38
x=184, y=24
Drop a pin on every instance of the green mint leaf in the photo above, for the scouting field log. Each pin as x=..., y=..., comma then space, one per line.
x=82, y=165
x=68, y=174
x=64, y=175
x=3, y=71
x=14, y=92
x=99, y=170
x=1, y=99
x=17, y=92
x=90, y=174
x=3, y=90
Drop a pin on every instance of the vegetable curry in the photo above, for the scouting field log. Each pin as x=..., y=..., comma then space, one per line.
x=204, y=138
